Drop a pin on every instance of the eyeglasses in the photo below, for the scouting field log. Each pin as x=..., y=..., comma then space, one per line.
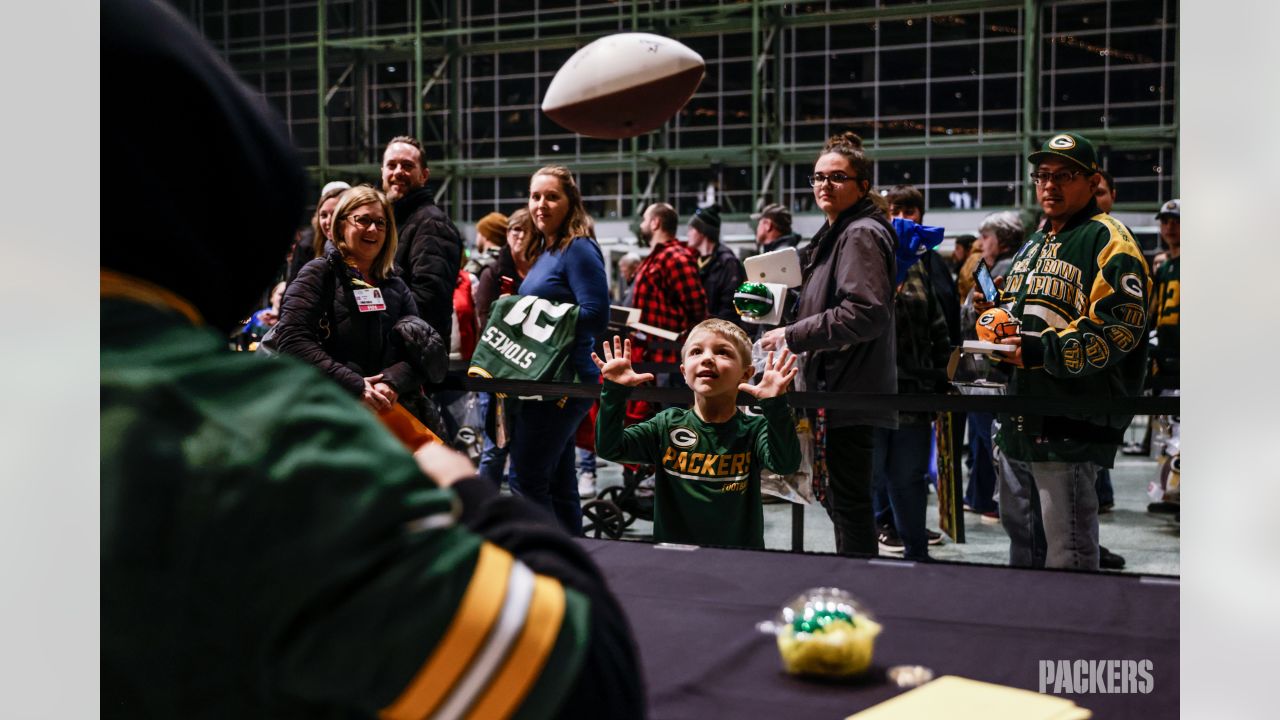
x=1058, y=178
x=839, y=178
x=364, y=221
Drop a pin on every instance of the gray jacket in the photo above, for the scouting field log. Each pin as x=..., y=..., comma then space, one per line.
x=845, y=313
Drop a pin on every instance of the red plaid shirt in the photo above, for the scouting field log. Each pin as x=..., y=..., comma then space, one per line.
x=669, y=293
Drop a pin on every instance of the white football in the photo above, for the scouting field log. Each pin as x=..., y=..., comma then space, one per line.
x=623, y=85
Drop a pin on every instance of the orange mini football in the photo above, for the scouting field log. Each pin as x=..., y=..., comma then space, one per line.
x=996, y=324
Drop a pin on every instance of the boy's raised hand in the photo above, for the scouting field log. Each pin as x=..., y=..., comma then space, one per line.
x=779, y=371
x=616, y=366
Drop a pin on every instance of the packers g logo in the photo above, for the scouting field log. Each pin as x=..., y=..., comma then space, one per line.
x=1062, y=142
x=1072, y=356
x=683, y=437
x=986, y=319
x=1131, y=284
x=1131, y=314
x=1095, y=349
x=1122, y=337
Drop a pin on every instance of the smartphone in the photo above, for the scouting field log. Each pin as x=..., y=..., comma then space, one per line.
x=983, y=275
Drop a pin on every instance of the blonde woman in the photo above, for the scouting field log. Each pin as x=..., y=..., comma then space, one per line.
x=346, y=313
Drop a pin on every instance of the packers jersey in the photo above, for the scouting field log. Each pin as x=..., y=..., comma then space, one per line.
x=707, y=482
x=527, y=338
x=1166, y=305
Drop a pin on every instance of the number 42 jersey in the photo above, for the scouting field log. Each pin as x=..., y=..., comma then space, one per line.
x=527, y=338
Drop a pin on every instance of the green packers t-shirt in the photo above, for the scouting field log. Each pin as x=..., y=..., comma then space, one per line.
x=707, y=483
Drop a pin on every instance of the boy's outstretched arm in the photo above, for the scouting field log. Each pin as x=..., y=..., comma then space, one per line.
x=778, y=446
x=639, y=442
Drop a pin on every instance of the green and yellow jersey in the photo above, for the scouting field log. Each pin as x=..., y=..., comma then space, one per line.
x=1082, y=295
x=707, y=482
x=1165, y=306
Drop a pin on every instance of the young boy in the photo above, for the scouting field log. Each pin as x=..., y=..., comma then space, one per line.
x=708, y=458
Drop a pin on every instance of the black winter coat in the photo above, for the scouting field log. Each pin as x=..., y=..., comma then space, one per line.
x=429, y=256
x=845, y=316
x=319, y=324
x=722, y=273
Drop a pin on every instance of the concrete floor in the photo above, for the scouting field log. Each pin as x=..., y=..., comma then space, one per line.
x=1149, y=543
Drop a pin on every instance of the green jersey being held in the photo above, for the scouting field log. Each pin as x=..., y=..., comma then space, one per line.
x=707, y=483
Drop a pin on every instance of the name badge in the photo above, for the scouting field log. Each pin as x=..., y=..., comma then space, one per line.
x=369, y=300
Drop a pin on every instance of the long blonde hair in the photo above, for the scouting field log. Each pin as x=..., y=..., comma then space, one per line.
x=317, y=238
x=576, y=224
x=358, y=197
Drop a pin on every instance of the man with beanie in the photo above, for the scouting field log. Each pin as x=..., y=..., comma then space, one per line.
x=1080, y=288
x=429, y=254
x=491, y=237
x=268, y=548
x=720, y=269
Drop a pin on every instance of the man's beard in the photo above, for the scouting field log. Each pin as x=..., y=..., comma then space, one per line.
x=646, y=236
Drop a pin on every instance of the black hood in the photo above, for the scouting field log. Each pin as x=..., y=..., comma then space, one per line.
x=205, y=188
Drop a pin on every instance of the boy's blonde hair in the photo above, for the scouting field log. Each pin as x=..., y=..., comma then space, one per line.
x=727, y=330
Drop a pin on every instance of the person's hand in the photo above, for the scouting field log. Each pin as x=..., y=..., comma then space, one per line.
x=269, y=317
x=775, y=339
x=388, y=393
x=1013, y=358
x=980, y=301
x=616, y=366
x=372, y=396
x=443, y=464
x=779, y=371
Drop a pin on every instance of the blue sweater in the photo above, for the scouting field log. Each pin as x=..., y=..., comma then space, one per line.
x=576, y=275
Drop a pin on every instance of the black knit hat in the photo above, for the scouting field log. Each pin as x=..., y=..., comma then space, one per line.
x=707, y=221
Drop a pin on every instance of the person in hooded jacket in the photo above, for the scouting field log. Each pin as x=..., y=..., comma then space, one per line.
x=846, y=325
x=268, y=549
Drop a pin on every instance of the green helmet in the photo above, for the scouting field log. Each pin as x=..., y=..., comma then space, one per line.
x=753, y=300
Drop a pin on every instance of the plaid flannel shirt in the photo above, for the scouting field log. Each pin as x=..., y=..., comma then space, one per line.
x=669, y=293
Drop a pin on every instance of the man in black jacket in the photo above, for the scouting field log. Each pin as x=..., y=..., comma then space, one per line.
x=430, y=250
x=719, y=267
x=773, y=228
x=905, y=201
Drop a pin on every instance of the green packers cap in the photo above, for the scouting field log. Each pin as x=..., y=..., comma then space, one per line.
x=1069, y=146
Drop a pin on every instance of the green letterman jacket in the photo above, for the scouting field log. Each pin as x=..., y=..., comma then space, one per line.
x=270, y=550
x=1082, y=296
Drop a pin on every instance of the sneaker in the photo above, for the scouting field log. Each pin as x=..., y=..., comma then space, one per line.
x=935, y=538
x=1108, y=560
x=1105, y=508
x=890, y=542
x=1134, y=448
x=991, y=518
x=586, y=485
x=1164, y=508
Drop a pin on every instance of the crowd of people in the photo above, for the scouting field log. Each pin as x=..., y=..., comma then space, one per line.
x=880, y=310
x=266, y=481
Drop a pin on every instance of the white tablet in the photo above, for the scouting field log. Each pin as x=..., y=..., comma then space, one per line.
x=980, y=347
x=780, y=266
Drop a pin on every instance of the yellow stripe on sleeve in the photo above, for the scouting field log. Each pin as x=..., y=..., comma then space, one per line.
x=471, y=624
x=523, y=666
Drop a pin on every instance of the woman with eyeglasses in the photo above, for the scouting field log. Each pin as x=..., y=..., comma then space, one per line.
x=846, y=326
x=565, y=265
x=348, y=315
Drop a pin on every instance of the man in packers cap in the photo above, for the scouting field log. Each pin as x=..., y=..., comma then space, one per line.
x=1080, y=288
x=1165, y=302
x=268, y=549
x=773, y=228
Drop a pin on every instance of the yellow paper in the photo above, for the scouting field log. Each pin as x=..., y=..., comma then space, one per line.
x=957, y=698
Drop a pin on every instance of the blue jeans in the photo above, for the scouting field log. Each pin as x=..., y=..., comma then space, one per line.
x=542, y=463
x=493, y=459
x=586, y=461
x=1106, y=493
x=1050, y=511
x=899, y=461
x=981, y=490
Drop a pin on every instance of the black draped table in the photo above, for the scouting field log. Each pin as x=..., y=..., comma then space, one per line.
x=694, y=614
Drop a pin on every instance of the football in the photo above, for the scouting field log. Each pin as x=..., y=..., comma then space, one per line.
x=623, y=85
